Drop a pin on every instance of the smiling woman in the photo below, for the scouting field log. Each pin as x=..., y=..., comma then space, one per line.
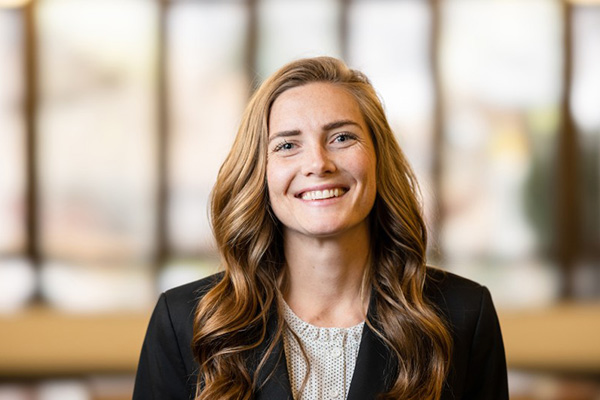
x=325, y=291
x=321, y=164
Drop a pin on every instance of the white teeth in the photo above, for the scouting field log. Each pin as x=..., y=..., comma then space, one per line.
x=322, y=194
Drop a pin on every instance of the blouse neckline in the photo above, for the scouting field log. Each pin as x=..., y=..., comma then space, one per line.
x=308, y=331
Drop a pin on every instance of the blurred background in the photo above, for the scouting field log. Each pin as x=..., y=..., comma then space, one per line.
x=116, y=114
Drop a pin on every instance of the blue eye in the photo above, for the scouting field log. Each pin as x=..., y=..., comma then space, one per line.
x=284, y=146
x=344, y=137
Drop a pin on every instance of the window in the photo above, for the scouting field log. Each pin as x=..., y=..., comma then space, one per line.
x=207, y=90
x=97, y=149
x=401, y=72
x=17, y=279
x=473, y=90
x=585, y=100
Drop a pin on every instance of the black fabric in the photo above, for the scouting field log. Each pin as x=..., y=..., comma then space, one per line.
x=167, y=370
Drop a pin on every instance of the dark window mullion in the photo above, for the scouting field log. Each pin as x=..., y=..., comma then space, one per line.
x=438, y=216
x=30, y=62
x=567, y=188
x=250, y=57
x=162, y=253
x=344, y=28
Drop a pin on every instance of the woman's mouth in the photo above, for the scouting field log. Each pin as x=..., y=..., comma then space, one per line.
x=323, y=194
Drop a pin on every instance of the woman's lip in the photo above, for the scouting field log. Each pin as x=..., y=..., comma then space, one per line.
x=341, y=188
x=320, y=195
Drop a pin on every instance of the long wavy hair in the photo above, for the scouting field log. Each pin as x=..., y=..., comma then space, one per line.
x=231, y=318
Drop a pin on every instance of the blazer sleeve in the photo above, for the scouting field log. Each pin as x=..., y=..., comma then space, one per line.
x=486, y=371
x=161, y=372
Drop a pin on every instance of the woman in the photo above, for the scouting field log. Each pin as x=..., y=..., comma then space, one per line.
x=325, y=291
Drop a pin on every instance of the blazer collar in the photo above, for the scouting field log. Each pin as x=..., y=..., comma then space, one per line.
x=373, y=365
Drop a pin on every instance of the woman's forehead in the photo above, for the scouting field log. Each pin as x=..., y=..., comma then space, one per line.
x=316, y=103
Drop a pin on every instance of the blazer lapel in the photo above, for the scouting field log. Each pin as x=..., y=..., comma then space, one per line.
x=373, y=365
x=278, y=385
x=273, y=378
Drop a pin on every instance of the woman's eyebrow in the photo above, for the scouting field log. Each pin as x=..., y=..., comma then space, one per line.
x=339, y=124
x=294, y=132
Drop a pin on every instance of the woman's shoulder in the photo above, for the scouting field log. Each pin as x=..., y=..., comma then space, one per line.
x=445, y=281
x=195, y=288
x=478, y=367
x=181, y=301
x=452, y=293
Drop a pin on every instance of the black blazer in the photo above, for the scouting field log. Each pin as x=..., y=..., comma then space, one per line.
x=167, y=370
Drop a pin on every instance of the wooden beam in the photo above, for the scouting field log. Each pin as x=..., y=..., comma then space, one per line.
x=438, y=214
x=162, y=255
x=584, y=2
x=561, y=338
x=344, y=29
x=30, y=64
x=568, y=197
x=251, y=47
x=41, y=342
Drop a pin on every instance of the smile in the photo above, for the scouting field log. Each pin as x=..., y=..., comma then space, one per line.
x=323, y=194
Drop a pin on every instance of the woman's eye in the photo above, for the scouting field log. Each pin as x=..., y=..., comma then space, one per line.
x=284, y=146
x=344, y=137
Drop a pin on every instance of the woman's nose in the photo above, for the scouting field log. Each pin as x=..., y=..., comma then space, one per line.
x=318, y=161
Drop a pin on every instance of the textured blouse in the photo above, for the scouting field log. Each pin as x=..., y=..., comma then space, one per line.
x=331, y=352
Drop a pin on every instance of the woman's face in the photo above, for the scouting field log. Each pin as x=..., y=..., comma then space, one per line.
x=321, y=172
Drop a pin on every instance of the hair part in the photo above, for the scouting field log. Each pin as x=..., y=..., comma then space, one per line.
x=231, y=319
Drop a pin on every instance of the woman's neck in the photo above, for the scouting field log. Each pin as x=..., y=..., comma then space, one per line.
x=326, y=276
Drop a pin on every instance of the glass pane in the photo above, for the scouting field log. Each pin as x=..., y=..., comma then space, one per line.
x=208, y=89
x=400, y=71
x=291, y=29
x=97, y=149
x=585, y=98
x=12, y=133
x=501, y=67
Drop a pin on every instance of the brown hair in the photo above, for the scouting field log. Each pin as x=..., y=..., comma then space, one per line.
x=231, y=318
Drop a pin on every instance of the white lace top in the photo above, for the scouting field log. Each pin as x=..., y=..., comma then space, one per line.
x=331, y=352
